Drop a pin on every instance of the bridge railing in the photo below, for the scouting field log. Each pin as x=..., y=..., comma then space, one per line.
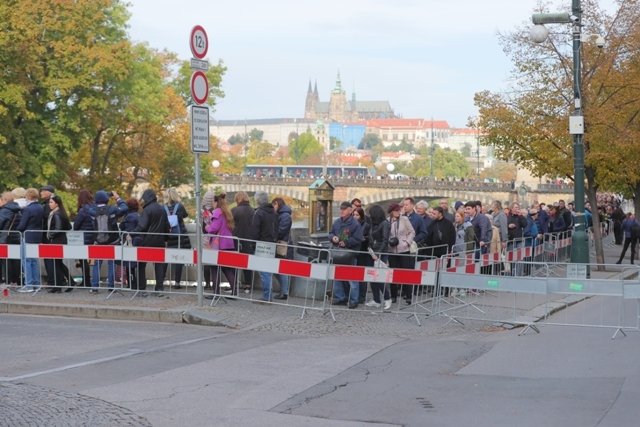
x=413, y=183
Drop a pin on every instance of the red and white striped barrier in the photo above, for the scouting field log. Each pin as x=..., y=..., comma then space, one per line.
x=9, y=251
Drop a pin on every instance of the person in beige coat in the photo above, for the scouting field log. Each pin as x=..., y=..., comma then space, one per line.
x=401, y=234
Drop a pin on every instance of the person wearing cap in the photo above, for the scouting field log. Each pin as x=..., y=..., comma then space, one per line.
x=401, y=234
x=346, y=234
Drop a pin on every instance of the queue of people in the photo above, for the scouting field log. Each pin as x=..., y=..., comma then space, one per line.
x=395, y=237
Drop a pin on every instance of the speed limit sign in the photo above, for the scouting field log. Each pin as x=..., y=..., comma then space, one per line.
x=199, y=42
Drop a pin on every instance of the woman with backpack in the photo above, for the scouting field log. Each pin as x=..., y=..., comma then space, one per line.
x=178, y=239
x=57, y=225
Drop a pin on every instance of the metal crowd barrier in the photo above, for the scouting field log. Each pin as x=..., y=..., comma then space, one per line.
x=510, y=286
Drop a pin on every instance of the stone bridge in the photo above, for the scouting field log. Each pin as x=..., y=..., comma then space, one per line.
x=380, y=191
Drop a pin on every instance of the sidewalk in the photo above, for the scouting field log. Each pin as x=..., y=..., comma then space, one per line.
x=181, y=307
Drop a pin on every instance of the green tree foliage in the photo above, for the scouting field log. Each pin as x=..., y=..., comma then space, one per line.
x=81, y=105
x=60, y=61
x=305, y=147
x=256, y=135
x=529, y=125
x=237, y=139
x=369, y=141
x=446, y=163
x=260, y=152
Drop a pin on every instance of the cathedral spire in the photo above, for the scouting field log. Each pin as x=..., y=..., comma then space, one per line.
x=338, y=88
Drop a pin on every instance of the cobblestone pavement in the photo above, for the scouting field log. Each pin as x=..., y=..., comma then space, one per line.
x=32, y=405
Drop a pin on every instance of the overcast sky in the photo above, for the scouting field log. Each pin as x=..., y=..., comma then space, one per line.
x=426, y=57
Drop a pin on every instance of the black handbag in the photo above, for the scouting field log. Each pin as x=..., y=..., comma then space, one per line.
x=341, y=256
x=393, y=241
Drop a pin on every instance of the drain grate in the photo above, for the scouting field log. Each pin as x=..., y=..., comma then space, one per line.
x=425, y=403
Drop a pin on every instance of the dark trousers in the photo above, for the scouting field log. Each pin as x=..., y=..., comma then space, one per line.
x=86, y=273
x=61, y=273
x=401, y=261
x=48, y=266
x=230, y=274
x=11, y=271
x=160, y=269
x=628, y=241
x=177, y=272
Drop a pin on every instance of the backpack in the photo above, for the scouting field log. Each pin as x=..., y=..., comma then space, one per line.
x=105, y=225
x=174, y=222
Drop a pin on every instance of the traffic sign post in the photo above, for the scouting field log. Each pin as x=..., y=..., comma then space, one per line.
x=199, y=45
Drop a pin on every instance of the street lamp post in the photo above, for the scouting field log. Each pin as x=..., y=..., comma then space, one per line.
x=579, y=247
x=431, y=151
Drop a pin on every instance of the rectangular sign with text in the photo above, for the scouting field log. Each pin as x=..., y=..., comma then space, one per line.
x=199, y=129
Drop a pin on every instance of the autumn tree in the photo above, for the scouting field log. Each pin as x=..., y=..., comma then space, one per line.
x=305, y=147
x=529, y=124
x=60, y=62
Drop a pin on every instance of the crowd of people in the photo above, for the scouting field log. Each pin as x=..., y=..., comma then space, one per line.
x=395, y=237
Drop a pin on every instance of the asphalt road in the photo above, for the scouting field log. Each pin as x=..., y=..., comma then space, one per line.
x=61, y=371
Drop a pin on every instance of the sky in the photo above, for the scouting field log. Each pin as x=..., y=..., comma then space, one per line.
x=426, y=57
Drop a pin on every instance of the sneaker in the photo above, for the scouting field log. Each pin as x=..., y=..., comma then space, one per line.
x=387, y=304
x=94, y=291
x=26, y=289
x=373, y=304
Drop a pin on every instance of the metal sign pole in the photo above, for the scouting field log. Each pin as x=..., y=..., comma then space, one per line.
x=199, y=288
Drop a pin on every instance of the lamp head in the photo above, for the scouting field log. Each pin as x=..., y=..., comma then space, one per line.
x=538, y=33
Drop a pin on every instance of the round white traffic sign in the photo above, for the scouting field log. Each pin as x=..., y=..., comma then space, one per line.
x=199, y=42
x=199, y=87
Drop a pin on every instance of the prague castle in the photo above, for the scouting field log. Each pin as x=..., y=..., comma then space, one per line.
x=340, y=110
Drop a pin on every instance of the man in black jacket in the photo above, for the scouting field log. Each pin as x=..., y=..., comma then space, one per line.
x=264, y=228
x=155, y=224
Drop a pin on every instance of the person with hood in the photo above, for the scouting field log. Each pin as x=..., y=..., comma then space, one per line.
x=85, y=222
x=10, y=216
x=155, y=226
x=284, y=237
x=112, y=237
x=264, y=228
x=30, y=226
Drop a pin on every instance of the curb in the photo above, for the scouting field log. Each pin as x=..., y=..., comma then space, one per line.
x=111, y=313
